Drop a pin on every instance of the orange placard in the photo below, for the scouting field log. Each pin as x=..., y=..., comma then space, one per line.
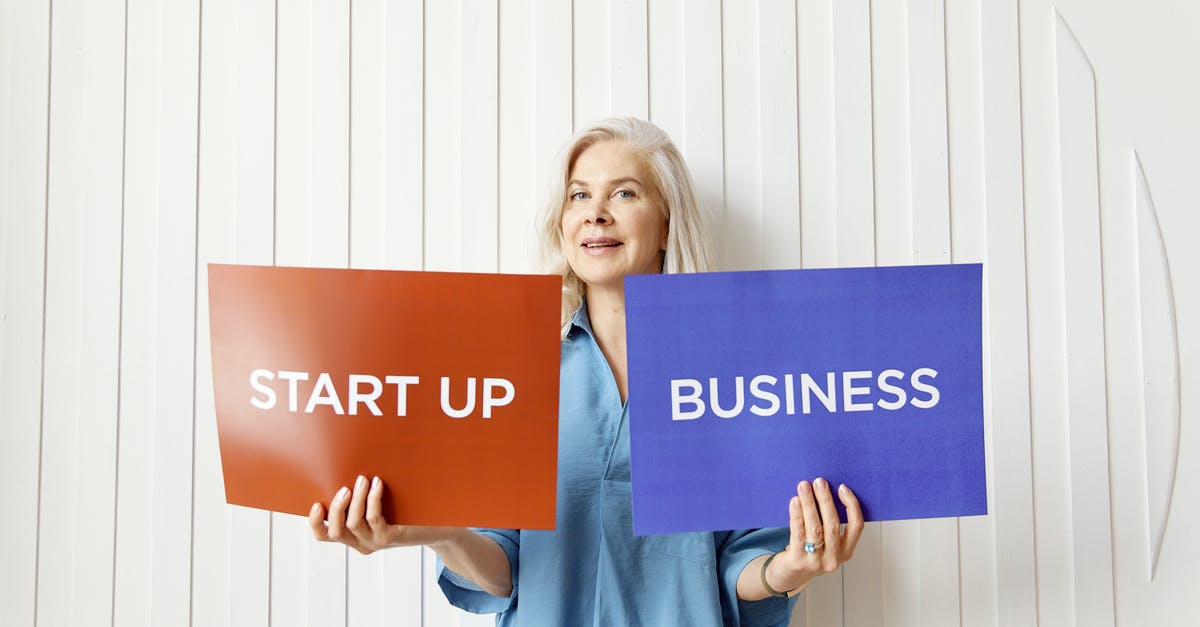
x=445, y=385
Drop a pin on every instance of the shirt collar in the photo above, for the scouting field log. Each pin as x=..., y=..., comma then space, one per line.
x=580, y=320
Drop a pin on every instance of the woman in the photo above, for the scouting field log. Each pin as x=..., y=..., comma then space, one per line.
x=623, y=203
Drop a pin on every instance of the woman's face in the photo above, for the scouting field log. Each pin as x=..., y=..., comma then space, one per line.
x=612, y=219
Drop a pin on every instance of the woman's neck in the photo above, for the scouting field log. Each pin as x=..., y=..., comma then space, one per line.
x=606, y=312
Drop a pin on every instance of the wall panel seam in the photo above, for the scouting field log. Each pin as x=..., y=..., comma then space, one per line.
x=37, y=512
x=112, y=608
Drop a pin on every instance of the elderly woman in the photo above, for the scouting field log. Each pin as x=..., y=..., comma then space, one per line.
x=622, y=203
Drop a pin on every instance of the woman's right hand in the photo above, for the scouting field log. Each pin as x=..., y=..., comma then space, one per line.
x=356, y=520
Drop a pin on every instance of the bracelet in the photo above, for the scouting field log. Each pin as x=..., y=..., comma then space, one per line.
x=762, y=576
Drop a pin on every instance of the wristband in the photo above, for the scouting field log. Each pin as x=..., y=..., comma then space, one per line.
x=762, y=576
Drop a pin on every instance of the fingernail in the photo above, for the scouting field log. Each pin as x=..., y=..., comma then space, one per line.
x=842, y=489
x=342, y=493
x=820, y=482
x=360, y=482
x=315, y=508
x=375, y=483
x=805, y=487
x=795, y=502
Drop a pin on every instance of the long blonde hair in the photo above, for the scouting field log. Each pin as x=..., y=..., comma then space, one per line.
x=688, y=246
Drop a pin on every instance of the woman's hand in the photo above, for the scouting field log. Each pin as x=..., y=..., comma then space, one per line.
x=356, y=520
x=818, y=542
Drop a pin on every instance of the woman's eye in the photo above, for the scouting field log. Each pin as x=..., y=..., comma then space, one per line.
x=578, y=196
x=624, y=193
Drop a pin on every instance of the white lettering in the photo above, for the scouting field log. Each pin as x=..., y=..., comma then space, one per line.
x=771, y=398
x=292, y=377
x=692, y=398
x=849, y=391
x=324, y=394
x=808, y=387
x=268, y=393
x=934, y=395
x=355, y=397
x=888, y=388
x=402, y=384
x=739, y=394
x=467, y=409
x=490, y=400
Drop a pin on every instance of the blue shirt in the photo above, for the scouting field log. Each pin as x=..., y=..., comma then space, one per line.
x=591, y=569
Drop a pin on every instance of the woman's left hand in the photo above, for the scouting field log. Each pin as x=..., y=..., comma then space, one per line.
x=818, y=542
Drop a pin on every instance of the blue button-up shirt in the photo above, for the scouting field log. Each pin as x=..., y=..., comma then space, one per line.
x=591, y=569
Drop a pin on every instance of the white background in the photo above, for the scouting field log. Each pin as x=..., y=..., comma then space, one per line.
x=141, y=140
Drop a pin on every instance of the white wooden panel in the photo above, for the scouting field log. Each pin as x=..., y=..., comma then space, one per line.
x=779, y=133
x=664, y=19
x=478, y=188
x=24, y=94
x=1007, y=412
x=1087, y=411
x=629, y=89
x=552, y=87
x=1048, y=384
x=520, y=195
x=83, y=294
x=818, y=138
x=589, y=72
x=855, y=170
x=231, y=545
x=967, y=191
x=702, y=139
x=890, y=98
x=742, y=227
x=443, y=95
x=154, y=498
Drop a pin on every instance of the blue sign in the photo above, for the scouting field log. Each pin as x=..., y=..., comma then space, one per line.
x=743, y=383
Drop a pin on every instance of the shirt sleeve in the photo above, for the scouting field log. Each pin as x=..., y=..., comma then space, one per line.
x=733, y=553
x=464, y=594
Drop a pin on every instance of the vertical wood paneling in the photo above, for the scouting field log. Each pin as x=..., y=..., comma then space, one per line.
x=478, y=189
x=1007, y=417
x=589, y=43
x=779, y=133
x=231, y=547
x=1048, y=383
x=702, y=139
x=1087, y=411
x=443, y=111
x=742, y=226
x=154, y=497
x=818, y=139
x=967, y=193
x=24, y=116
x=83, y=301
x=520, y=195
x=629, y=89
x=553, y=78
x=666, y=72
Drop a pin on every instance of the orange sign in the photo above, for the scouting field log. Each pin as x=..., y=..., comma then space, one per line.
x=445, y=385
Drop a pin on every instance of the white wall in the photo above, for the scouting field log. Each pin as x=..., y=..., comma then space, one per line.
x=140, y=140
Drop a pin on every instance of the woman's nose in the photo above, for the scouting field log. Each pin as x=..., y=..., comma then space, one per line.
x=597, y=214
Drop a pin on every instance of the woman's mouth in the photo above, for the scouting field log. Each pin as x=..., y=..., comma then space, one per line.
x=600, y=245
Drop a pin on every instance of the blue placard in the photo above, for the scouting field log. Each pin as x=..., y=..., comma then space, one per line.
x=743, y=383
